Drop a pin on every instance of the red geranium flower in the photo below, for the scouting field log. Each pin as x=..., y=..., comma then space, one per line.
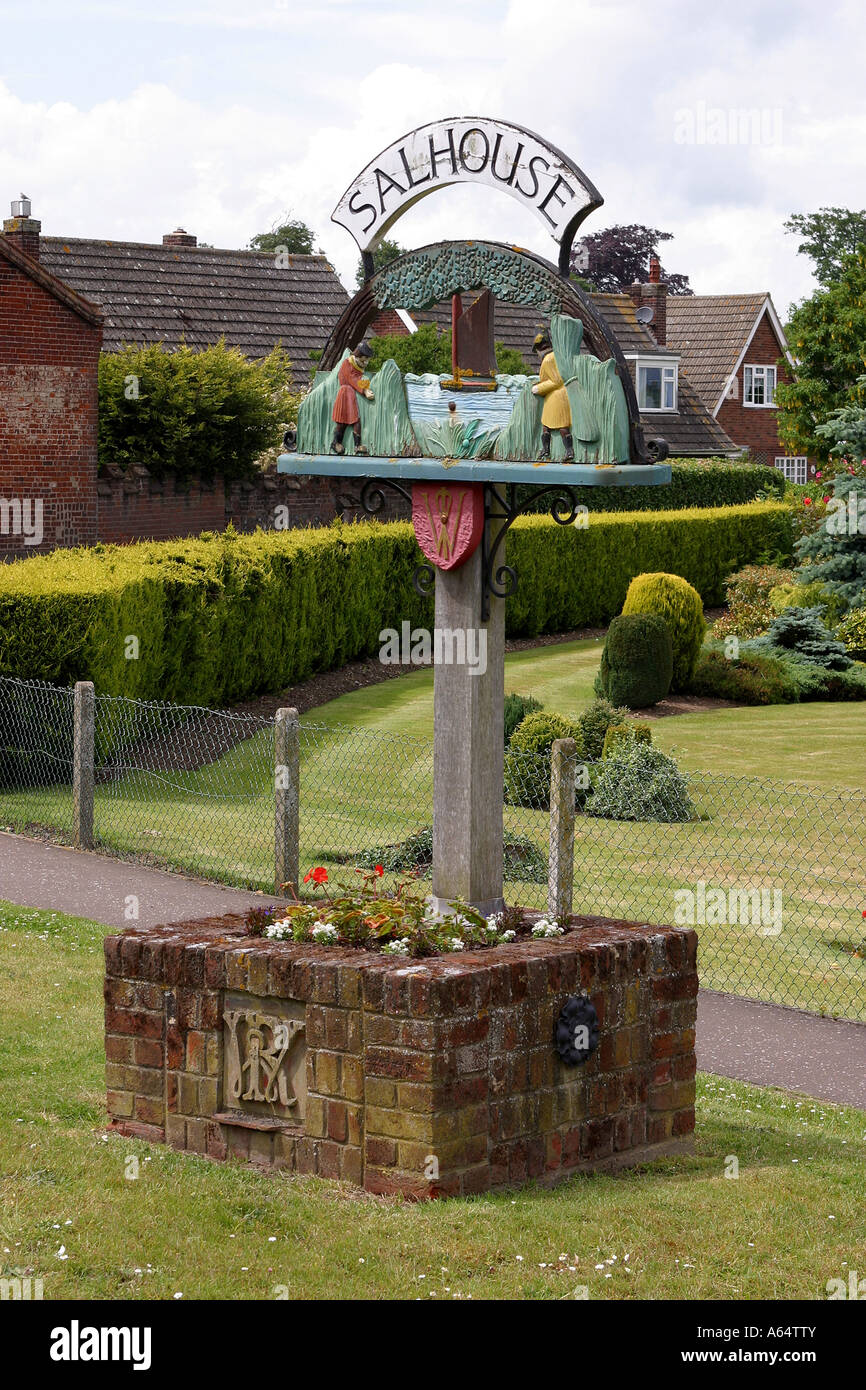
x=807, y=501
x=379, y=870
x=318, y=875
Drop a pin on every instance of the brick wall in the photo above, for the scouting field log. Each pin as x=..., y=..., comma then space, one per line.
x=430, y=1078
x=386, y=324
x=134, y=506
x=756, y=426
x=48, y=415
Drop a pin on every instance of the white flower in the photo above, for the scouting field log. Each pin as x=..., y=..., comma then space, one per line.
x=493, y=921
x=456, y=944
x=544, y=927
x=324, y=931
x=279, y=931
x=509, y=935
x=398, y=947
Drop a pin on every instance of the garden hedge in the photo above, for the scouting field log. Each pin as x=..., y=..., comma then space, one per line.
x=694, y=483
x=222, y=617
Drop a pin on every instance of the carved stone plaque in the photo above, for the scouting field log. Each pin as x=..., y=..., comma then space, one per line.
x=264, y=1057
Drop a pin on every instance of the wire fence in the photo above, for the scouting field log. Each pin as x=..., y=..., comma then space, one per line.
x=772, y=875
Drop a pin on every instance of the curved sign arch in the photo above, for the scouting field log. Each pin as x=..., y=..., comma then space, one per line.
x=468, y=149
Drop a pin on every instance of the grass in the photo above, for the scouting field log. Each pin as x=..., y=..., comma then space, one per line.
x=366, y=782
x=794, y=1219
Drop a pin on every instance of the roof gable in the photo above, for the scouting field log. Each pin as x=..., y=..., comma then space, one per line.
x=712, y=333
x=43, y=277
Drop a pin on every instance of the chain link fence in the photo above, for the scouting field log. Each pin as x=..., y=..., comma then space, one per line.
x=772, y=875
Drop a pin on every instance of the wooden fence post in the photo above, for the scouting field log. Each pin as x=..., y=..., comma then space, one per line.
x=287, y=791
x=83, y=720
x=560, y=872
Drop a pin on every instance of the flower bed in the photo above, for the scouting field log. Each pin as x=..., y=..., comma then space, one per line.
x=399, y=922
x=435, y=1077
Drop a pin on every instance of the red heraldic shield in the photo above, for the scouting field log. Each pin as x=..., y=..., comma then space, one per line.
x=448, y=520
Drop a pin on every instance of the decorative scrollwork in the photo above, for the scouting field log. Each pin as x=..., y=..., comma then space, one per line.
x=563, y=508
x=501, y=505
x=424, y=579
x=502, y=581
x=372, y=498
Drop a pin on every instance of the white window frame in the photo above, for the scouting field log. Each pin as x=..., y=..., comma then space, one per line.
x=794, y=466
x=669, y=368
x=766, y=374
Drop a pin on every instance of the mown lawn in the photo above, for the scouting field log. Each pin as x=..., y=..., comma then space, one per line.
x=73, y=1214
x=366, y=782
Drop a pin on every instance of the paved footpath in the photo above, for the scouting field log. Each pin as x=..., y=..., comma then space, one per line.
x=741, y=1038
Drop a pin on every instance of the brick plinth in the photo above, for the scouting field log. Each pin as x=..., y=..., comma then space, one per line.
x=430, y=1078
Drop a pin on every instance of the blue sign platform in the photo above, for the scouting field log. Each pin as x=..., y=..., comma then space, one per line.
x=423, y=470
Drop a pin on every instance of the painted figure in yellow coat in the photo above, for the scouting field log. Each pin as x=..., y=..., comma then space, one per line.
x=556, y=414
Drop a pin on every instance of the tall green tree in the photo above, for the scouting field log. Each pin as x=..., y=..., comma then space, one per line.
x=827, y=336
x=385, y=252
x=828, y=236
x=293, y=235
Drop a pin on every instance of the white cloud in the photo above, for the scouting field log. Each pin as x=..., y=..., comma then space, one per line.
x=605, y=81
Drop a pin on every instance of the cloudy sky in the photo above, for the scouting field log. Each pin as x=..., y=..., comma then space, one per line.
x=124, y=120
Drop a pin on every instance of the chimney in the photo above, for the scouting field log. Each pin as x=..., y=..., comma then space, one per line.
x=654, y=294
x=179, y=238
x=22, y=229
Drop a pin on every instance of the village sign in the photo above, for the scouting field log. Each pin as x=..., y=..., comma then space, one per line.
x=468, y=149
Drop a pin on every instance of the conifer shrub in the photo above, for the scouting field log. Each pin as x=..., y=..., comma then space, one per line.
x=671, y=597
x=637, y=661
x=619, y=736
x=517, y=707
x=594, y=723
x=641, y=784
x=800, y=631
x=527, y=762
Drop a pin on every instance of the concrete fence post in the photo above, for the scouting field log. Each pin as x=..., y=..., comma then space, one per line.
x=287, y=792
x=83, y=726
x=560, y=872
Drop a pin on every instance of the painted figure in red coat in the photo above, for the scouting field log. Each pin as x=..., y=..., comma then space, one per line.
x=353, y=383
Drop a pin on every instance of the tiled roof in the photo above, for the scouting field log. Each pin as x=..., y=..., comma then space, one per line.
x=198, y=294
x=690, y=432
x=710, y=331
x=516, y=324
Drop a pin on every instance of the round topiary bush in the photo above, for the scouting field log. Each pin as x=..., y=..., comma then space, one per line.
x=674, y=599
x=527, y=762
x=637, y=660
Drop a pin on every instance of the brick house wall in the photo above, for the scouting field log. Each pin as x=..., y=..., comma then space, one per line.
x=756, y=427
x=50, y=341
x=134, y=506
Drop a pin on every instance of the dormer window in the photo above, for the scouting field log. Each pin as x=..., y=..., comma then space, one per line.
x=759, y=385
x=656, y=384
